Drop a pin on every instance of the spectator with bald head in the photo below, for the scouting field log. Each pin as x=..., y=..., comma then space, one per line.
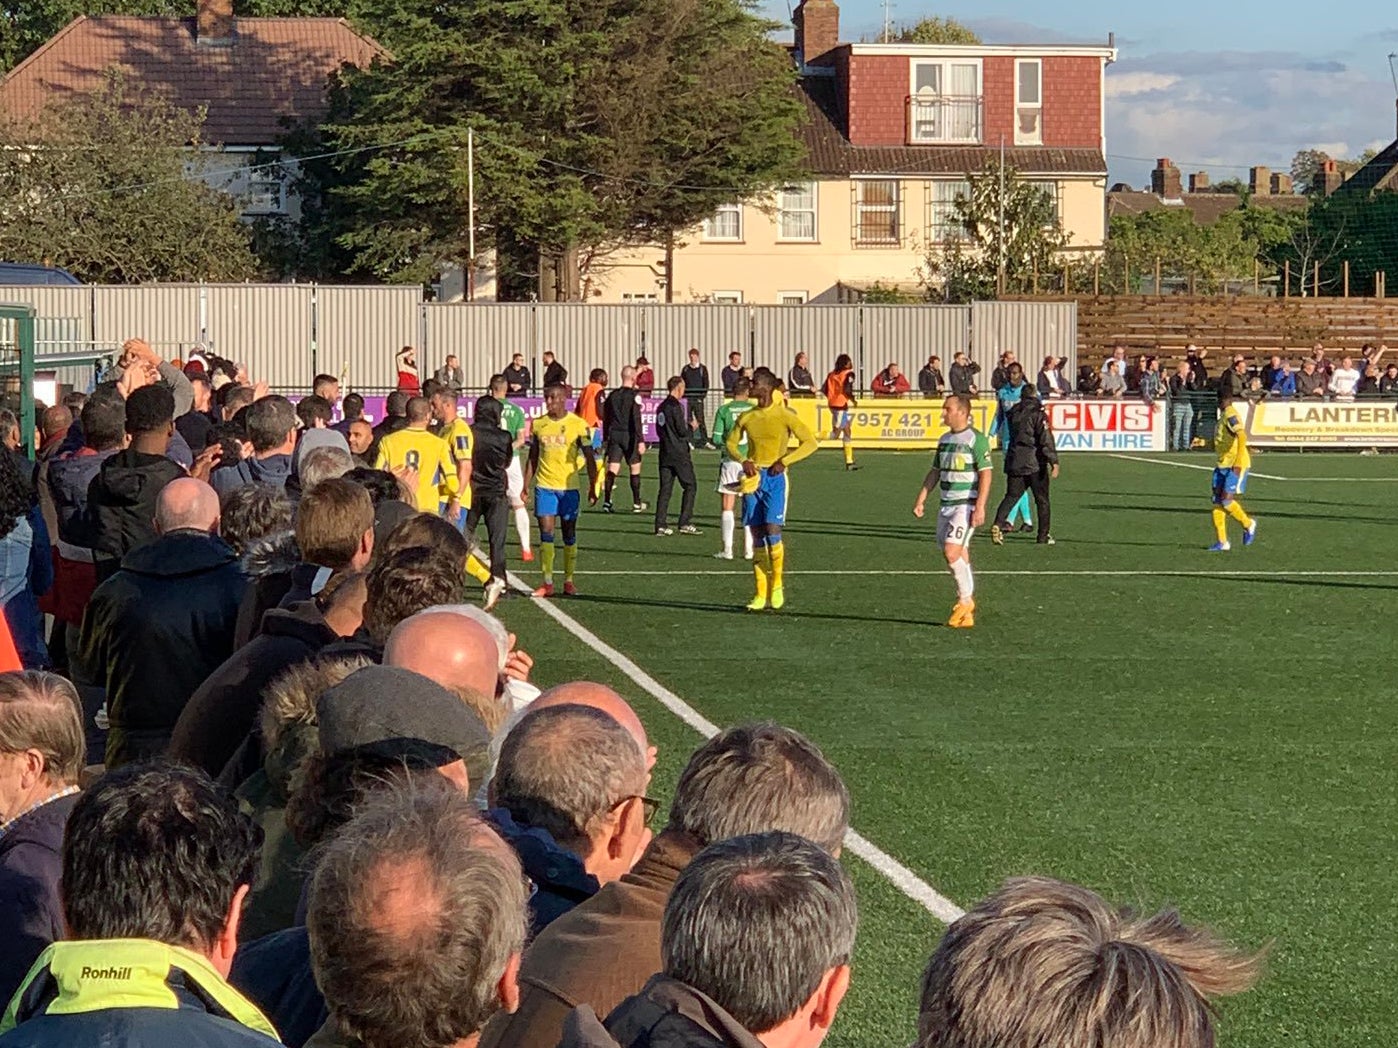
x=163, y=623
x=569, y=796
x=458, y=653
x=749, y=779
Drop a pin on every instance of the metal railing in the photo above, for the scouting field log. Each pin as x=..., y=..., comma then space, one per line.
x=945, y=119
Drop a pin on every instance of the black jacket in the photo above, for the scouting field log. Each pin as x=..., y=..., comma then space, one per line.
x=555, y=375
x=621, y=416
x=963, y=376
x=665, y=1014
x=490, y=458
x=154, y=632
x=31, y=914
x=929, y=380
x=223, y=711
x=672, y=425
x=729, y=377
x=519, y=381
x=274, y=973
x=696, y=381
x=268, y=563
x=1031, y=449
x=121, y=503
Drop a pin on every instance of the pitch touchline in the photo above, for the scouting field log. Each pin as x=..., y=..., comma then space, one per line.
x=735, y=573
x=1188, y=465
x=902, y=878
x=1264, y=476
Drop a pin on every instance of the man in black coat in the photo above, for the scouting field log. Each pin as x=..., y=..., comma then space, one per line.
x=675, y=462
x=161, y=625
x=121, y=498
x=1031, y=461
x=696, y=388
x=491, y=455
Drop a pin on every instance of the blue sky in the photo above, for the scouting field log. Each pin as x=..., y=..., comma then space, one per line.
x=1219, y=86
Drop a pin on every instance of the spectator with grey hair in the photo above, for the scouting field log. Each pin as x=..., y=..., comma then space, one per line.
x=1042, y=962
x=569, y=796
x=417, y=919
x=755, y=945
x=162, y=624
x=42, y=747
x=322, y=463
x=252, y=512
x=271, y=430
x=747, y=779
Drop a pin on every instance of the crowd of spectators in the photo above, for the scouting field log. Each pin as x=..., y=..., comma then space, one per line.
x=271, y=781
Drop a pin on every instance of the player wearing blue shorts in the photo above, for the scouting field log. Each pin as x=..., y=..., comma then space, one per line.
x=1231, y=476
x=557, y=439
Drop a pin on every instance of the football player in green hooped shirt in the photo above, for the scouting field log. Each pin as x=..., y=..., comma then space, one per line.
x=730, y=470
x=512, y=419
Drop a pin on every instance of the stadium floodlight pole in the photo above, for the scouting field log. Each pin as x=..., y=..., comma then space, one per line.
x=471, y=216
x=1000, y=274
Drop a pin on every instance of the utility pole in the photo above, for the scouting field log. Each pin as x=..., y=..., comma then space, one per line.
x=1000, y=274
x=887, y=20
x=471, y=217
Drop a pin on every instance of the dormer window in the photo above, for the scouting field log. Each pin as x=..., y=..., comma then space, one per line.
x=944, y=105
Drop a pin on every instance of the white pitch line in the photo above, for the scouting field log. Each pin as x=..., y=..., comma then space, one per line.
x=1085, y=573
x=902, y=878
x=1188, y=465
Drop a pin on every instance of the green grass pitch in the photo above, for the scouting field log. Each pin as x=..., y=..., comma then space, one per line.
x=1210, y=731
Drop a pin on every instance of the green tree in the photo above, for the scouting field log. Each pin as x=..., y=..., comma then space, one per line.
x=934, y=29
x=598, y=123
x=1306, y=168
x=101, y=186
x=1010, y=232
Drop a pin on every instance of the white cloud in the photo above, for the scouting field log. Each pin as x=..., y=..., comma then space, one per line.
x=1123, y=85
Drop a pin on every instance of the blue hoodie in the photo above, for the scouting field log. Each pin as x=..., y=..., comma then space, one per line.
x=273, y=470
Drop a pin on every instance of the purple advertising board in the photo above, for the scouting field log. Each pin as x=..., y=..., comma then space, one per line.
x=532, y=407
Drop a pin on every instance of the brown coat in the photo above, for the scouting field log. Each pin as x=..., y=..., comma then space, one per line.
x=599, y=953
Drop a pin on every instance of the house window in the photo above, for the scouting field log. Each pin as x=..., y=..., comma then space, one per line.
x=264, y=196
x=791, y=298
x=726, y=223
x=876, y=217
x=796, y=212
x=640, y=296
x=943, y=223
x=727, y=298
x=944, y=104
x=1052, y=195
x=1029, y=102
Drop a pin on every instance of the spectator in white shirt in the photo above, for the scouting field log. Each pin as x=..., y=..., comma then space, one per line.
x=1345, y=379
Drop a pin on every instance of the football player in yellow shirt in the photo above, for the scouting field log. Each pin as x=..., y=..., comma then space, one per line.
x=417, y=449
x=456, y=431
x=768, y=428
x=558, y=437
x=1231, y=476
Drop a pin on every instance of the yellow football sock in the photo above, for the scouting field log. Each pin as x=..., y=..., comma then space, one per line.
x=761, y=567
x=1236, y=511
x=849, y=453
x=546, y=553
x=570, y=561
x=477, y=570
x=777, y=555
x=1221, y=524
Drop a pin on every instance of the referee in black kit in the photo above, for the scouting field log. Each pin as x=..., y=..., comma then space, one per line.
x=1031, y=461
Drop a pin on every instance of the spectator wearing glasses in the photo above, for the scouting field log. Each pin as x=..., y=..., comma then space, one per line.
x=569, y=796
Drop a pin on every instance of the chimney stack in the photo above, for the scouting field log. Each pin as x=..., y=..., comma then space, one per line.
x=1330, y=178
x=1260, y=181
x=817, y=30
x=1199, y=182
x=1165, y=180
x=214, y=22
x=1281, y=185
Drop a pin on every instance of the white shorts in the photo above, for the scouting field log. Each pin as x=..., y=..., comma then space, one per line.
x=954, y=526
x=730, y=476
x=514, y=479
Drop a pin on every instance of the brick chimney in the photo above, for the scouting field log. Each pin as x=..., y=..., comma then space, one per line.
x=1330, y=178
x=214, y=22
x=817, y=29
x=1165, y=180
x=1260, y=181
x=1281, y=185
x=1199, y=182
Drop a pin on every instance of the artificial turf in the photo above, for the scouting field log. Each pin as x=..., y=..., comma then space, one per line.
x=1222, y=743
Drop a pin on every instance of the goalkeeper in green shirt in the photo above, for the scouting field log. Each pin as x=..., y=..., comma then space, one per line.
x=730, y=470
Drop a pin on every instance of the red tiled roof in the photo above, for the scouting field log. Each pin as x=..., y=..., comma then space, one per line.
x=272, y=74
x=830, y=153
x=1206, y=208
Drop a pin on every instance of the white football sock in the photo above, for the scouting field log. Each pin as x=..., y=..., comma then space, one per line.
x=965, y=584
x=747, y=543
x=727, y=522
x=522, y=526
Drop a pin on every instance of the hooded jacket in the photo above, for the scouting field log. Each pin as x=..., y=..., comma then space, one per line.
x=121, y=504
x=223, y=711
x=665, y=1014
x=132, y=993
x=273, y=470
x=31, y=913
x=155, y=631
x=268, y=563
x=598, y=954
x=560, y=878
x=1031, y=447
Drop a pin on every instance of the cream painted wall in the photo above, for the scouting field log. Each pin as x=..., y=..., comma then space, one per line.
x=764, y=269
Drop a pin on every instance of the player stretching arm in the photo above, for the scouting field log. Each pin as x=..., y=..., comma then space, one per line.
x=558, y=437
x=961, y=470
x=768, y=428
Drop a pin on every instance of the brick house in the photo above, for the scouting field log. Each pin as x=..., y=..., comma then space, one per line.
x=256, y=77
x=892, y=131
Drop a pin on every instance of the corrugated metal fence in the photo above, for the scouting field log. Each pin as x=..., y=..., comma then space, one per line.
x=286, y=333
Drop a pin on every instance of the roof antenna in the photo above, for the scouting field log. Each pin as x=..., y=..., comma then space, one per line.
x=1393, y=72
x=887, y=21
